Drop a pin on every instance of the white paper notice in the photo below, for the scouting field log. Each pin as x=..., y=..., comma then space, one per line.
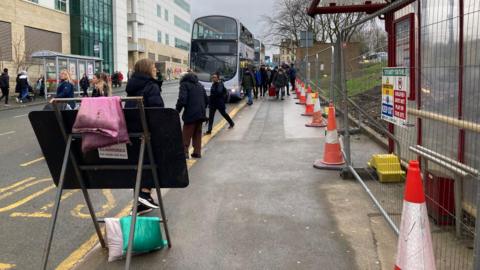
x=118, y=151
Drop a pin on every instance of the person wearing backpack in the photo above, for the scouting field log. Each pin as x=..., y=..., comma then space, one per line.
x=218, y=93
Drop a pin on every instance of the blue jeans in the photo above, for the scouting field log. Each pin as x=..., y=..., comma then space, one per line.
x=249, y=96
x=24, y=94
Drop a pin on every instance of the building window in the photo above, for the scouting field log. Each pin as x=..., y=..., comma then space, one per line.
x=61, y=5
x=167, y=39
x=166, y=15
x=181, y=44
x=181, y=24
x=159, y=36
x=5, y=41
x=151, y=56
x=176, y=60
x=159, y=11
x=183, y=4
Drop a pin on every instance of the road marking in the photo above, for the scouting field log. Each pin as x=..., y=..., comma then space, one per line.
x=26, y=199
x=7, y=133
x=79, y=254
x=5, y=266
x=32, y=162
x=9, y=193
x=22, y=115
x=107, y=207
x=43, y=213
x=16, y=184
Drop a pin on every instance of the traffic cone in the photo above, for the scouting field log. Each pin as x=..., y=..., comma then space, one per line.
x=332, y=154
x=302, y=98
x=309, y=89
x=415, y=241
x=317, y=117
x=309, y=105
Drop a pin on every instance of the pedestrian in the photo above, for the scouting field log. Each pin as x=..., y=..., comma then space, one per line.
x=5, y=85
x=264, y=78
x=269, y=76
x=218, y=94
x=115, y=79
x=159, y=78
x=273, y=75
x=169, y=73
x=286, y=69
x=142, y=83
x=258, y=82
x=40, y=86
x=280, y=81
x=84, y=85
x=193, y=100
x=248, y=84
x=22, y=87
x=293, y=76
x=101, y=88
x=120, y=79
x=65, y=88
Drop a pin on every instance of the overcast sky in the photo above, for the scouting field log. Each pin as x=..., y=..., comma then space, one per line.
x=249, y=12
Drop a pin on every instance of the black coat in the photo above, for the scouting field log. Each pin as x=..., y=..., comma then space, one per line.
x=193, y=99
x=4, y=81
x=146, y=87
x=218, y=93
x=84, y=83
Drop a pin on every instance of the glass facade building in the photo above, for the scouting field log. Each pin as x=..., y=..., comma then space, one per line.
x=91, y=25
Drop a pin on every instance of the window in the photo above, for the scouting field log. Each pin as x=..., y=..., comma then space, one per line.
x=183, y=4
x=167, y=39
x=166, y=15
x=5, y=41
x=151, y=56
x=159, y=11
x=181, y=24
x=181, y=44
x=159, y=36
x=61, y=5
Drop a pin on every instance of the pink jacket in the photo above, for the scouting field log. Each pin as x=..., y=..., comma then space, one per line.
x=101, y=122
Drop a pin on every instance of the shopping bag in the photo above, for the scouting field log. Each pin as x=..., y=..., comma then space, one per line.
x=272, y=91
x=147, y=236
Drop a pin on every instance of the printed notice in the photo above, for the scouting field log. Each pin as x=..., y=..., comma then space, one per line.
x=118, y=151
x=395, y=90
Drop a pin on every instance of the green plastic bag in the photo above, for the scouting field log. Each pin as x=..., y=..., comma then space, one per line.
x=147, y=237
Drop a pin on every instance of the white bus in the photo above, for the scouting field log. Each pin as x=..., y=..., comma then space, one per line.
x=224, y=45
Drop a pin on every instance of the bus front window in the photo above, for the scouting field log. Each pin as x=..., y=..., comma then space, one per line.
x=204, y=65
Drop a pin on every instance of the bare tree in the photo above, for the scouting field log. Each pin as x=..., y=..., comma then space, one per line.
x=21, y=57
x=290, y=18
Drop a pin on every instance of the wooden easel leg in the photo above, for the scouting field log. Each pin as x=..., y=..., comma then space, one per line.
x=56, y=205
x=135, y=201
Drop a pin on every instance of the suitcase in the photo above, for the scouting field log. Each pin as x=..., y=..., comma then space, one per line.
x=272, y=92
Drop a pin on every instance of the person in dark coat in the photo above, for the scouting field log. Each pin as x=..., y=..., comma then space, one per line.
x=142, y=83
x=280, y=81
x=248, y=83
x=65, y=87
x=292, y=76
x=5, y=85
x=193, y=100
x=218, y=93
x=84, y=85
x=22, y=87
x=264, y=78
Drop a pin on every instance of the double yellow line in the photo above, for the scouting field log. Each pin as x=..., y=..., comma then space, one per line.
x=79, y=254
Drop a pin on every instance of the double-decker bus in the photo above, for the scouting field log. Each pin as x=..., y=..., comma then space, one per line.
x=224, y=45
x=259, y=52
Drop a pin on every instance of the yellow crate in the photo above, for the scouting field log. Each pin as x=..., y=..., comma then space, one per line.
x=388, y=168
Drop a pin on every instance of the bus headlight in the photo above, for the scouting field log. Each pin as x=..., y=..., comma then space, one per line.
x=233, y=90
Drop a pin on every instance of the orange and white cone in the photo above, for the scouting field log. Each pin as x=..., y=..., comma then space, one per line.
x=309, y=105
x=317, y=117
x=332, y=153
x=415, y=241
x=309, y=89
x=303, y=97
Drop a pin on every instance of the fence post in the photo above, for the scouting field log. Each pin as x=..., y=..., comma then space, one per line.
x=332, y=72
x=344, y=91
x=476, y=255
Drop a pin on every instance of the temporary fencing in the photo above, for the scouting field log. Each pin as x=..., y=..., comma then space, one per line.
x=426, y=109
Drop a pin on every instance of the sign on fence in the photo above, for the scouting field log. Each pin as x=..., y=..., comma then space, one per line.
x=395, y=90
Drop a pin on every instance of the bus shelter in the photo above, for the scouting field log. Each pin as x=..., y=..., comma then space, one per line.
x=54, y=62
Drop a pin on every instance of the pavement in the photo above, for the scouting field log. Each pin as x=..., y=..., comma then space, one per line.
x=256, y=202
x=27, y=194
